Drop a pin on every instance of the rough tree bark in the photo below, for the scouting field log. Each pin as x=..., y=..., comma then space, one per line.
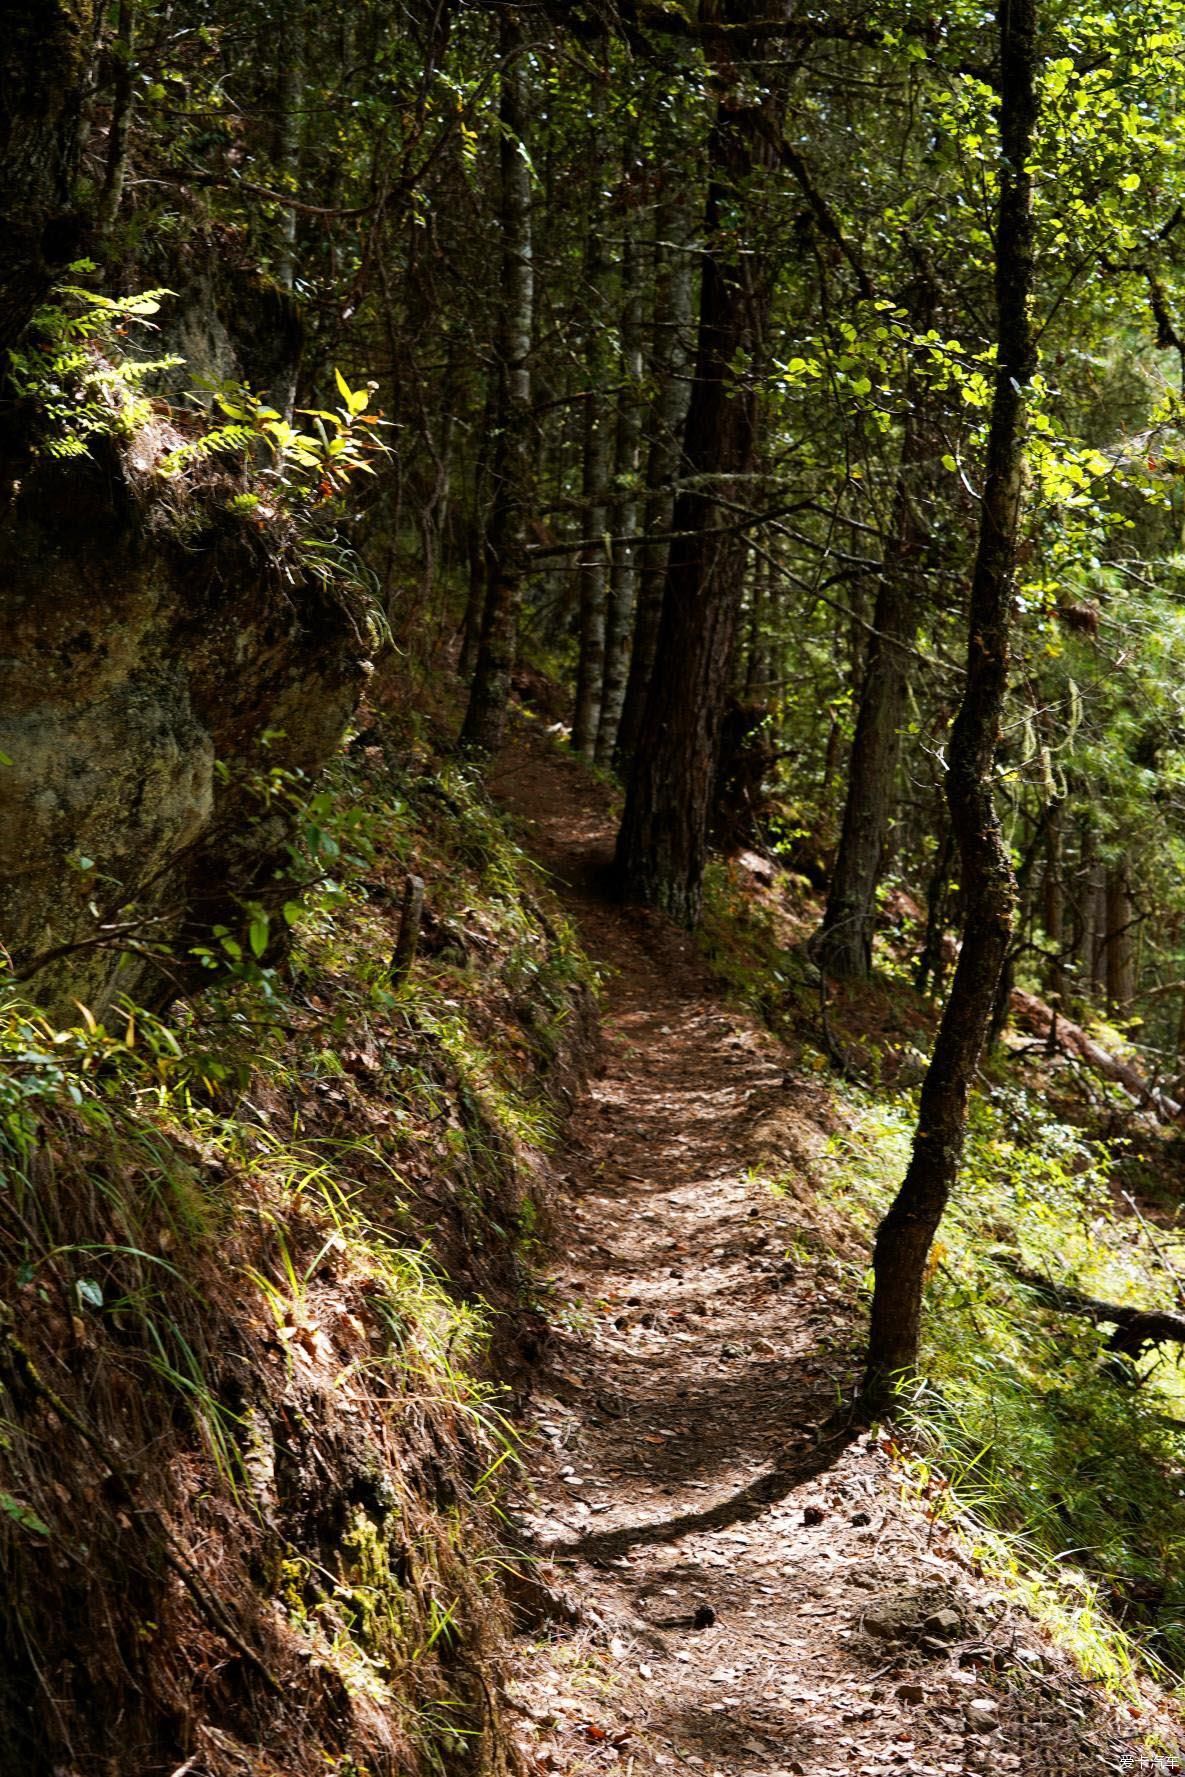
x=506, y=538
x=904, y=1238
x=47, y=56
x=662, y=843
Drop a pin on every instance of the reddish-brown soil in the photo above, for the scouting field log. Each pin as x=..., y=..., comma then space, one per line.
x=753, y=1595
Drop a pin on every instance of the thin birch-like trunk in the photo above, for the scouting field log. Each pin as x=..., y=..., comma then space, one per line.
x=506, y=535
x=594, y=557
x=627, y=450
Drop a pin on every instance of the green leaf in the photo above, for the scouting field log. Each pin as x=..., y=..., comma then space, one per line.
x=22, y=1515
x=90, y=1293
x=257, y=934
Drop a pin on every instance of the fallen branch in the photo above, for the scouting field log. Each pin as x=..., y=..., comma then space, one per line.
x=1166, y=1266
x=1071, y=1039
x=1135, y=1328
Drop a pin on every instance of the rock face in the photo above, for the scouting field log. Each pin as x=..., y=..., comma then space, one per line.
x=149, y=641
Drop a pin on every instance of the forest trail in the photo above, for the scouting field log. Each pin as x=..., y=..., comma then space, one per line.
x=754, y=1597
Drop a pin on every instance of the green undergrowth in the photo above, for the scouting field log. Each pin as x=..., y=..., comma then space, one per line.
x=1061, y=1463
x=252, y=1257
x=1065, y=1461
x=747, y=936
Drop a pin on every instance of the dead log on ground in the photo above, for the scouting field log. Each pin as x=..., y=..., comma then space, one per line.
x=1072, y=1040
x=1135, y=1328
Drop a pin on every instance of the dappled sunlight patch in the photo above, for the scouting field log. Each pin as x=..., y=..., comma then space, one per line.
x=1064, y=1461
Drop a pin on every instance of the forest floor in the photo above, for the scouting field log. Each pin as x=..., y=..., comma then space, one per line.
x=753, y=1591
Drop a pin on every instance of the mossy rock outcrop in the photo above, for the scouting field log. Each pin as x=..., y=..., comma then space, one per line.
x=162, y=653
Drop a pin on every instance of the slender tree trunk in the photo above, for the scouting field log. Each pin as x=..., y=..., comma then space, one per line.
x=1023, y=922
x=594, y=558
x=290, y=147
x=1098, y=927
x=1083, y=908
x=842, y=947
x=931, y=972
x=506, y=537
x=291, y=139
x=673, y=303
x=757, y=642
x=478, y=548
x=1053, y=906
x=1121, y=949
x=662, y=844
x=119, y=135
x=623, y=582
x=904, y=1238
x=474, y=601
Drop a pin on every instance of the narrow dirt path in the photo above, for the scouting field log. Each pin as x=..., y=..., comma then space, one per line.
x=753, y=1597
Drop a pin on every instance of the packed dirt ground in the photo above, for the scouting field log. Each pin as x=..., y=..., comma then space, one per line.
x=750, y=1591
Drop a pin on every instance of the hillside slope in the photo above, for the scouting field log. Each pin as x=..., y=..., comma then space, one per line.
x=261, y=1267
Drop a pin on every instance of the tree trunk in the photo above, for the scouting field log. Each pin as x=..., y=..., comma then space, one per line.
x=291, y=137
x=662, y=844
x=594, y=558
x=1120, y=941
x=931, y=971
x=623, y=581
x=475, y=599
x=477, y=546
x=1083, y=907
x=119, y=135
x=904, y=1238
x=1053, y=907
x=1098, y=927
x=506, y=537
x=46, y=67
x=673, y=296
x=757, y=643
x=288, y=158
x=842, y=947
